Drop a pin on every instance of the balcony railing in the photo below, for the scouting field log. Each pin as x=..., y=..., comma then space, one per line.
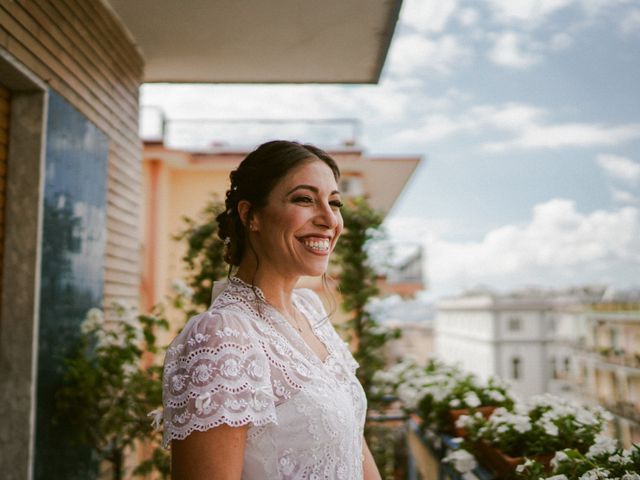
x=427, y=451
x=626, y=410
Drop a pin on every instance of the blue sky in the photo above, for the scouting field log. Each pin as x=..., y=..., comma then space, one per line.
x=527, y=115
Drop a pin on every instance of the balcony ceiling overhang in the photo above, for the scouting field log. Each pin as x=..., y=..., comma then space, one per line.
x=259, y=41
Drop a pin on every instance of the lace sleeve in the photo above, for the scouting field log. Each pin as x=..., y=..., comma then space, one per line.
x=215, y=373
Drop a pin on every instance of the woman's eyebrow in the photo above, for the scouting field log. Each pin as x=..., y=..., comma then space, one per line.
x=309, y=187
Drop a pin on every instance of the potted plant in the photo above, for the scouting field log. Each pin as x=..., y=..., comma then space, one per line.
x=438, y=394
x=604, y=459
x=537, y=428
x=457, y=394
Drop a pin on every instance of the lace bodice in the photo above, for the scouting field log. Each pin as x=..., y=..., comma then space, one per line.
x=241, y=362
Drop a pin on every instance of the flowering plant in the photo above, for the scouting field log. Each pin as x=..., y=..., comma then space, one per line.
x=433, y=391
x=545, y=424
x=604, y=459
x=110, y=384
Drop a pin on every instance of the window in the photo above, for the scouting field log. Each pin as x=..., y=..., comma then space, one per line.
x=516, y=365
x=514, y=324
x=567, y=364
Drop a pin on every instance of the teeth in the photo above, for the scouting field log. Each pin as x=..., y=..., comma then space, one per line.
x=320, y=245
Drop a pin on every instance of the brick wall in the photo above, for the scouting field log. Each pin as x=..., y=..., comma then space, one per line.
x=81, y=51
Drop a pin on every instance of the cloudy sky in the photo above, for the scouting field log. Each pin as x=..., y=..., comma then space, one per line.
x=527, y=116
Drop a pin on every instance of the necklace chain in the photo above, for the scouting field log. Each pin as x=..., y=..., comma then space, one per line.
x=295, y=319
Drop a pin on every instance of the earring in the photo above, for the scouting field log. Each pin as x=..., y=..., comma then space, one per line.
x=252, y=227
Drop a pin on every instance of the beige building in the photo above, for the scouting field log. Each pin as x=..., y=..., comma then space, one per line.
x=178, y=183
x=70, y=161
x=607, y=365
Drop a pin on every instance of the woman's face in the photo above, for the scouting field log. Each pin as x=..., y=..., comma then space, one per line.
x=298, y=227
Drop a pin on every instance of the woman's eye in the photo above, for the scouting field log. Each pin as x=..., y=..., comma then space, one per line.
x=336, y=204
x=303, y=199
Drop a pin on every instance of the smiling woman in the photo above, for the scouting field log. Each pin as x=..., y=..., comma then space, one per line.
x=261, y=386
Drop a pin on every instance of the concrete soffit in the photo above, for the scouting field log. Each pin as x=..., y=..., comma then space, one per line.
x=253, y=41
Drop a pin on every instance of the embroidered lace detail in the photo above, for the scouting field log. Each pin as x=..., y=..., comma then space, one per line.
x=242, y=363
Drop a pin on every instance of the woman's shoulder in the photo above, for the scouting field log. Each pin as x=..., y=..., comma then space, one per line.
x=218, y=325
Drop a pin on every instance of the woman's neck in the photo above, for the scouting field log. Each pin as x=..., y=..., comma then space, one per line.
x=277, y=289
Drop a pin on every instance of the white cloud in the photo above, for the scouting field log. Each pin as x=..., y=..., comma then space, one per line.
x=620, y=168
x=526, y=125
x=564, y=135
x=411, y=53
x=515, y=51
x=624, y=196
x=529, y=12
x=468, y=17
x=428, y=16
x=631, y=23
x=510, y=116
x=561, y=41
x=558, y=244
x=387, y=102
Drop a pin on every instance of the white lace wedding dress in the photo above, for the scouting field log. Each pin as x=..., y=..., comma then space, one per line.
x=241, y=363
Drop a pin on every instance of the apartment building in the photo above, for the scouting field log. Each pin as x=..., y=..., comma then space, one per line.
x=606, y=366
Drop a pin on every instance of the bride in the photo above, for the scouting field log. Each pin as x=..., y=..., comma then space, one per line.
x=260, y=386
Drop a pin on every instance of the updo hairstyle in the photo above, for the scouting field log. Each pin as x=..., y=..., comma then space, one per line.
x=253, y=181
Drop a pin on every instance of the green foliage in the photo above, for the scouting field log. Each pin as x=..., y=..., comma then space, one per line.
x=357, y=283
x=205, y=253
x=605, y=460
x=545, y=424
x=108, y=391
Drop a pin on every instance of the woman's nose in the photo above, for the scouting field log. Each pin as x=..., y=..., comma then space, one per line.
x=326, y=217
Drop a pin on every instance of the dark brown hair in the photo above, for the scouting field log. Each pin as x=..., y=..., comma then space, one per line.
x=253, y=181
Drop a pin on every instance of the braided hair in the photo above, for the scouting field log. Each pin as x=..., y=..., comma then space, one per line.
x=253, y=180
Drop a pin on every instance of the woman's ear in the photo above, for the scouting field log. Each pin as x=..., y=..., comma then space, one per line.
x=246, y=215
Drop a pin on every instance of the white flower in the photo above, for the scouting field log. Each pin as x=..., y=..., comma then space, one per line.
x=129, y=369
x=558, y=477
x=602, y=445
x=108, y=339
x=462, y=460
x=558, y=458
x=93, y=321
x=157, y=418
x=409, y=395
x=455, y=403
x=495, y=396
x=472, y=400
x=522, y=424
x=595, y=474
x=521, y=468
x=180, y=288
x=550, y=429
x=465, y=421
x=630, y=476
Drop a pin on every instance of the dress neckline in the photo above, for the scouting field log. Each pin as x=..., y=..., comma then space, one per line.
x=302, y=309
